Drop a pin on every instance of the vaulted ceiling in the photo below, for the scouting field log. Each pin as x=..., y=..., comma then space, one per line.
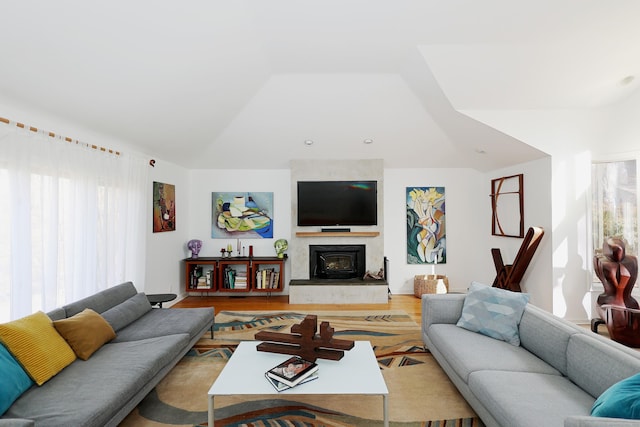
x=243, y=84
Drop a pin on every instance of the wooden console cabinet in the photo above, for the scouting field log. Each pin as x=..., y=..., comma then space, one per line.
x=235, y=274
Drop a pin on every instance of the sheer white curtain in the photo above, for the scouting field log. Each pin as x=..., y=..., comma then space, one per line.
x=72, y=222
x=615, y=203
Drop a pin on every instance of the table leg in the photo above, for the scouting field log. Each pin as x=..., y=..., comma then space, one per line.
x=385, y=409
x=210, y=423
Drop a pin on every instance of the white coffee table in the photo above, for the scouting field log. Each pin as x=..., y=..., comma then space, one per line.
x=356, y=373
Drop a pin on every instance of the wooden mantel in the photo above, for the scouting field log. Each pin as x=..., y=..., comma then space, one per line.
x=337, y=234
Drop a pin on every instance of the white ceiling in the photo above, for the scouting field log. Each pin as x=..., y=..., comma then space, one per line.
x=242, y=84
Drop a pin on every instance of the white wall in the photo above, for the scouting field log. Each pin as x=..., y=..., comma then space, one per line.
x=566, y=135
x=537, y=280
x=569, y=136
x=51, y=123
x=203, y=182
x=166, y=249
x=468, y=220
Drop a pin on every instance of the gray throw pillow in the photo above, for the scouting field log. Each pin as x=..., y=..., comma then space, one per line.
x=127, y=312
x=493, y=312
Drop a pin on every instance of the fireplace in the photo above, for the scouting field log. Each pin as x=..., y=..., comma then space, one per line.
x=336, y=261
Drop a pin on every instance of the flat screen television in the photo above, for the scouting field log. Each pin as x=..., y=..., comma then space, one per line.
x=337, y=203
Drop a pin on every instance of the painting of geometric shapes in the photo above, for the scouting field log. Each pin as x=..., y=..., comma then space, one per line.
x=426, y=230
x=242, y=215
x=164, y=207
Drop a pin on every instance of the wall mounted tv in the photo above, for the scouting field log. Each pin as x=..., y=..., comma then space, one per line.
x=332, y=203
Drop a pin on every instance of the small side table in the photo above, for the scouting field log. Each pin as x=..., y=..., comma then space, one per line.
x=158, y=299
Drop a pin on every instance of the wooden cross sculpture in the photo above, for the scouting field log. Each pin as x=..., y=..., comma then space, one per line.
x=304, y=342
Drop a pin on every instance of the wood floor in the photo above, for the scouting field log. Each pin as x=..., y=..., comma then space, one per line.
x=408, y=303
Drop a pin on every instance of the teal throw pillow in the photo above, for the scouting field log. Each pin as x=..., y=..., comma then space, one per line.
x=493, y=312
x=621, y=400
x=13, y=381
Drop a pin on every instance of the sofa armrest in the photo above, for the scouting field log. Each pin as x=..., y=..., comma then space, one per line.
x=17, y=422
x=441, y=308
x=587, y=421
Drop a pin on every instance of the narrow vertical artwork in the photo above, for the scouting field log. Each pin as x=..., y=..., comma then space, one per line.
x=164, y=207
x=426, y=231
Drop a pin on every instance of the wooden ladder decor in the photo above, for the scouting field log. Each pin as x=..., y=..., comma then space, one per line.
x=304, y=342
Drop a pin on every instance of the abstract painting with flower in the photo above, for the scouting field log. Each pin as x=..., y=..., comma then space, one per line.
x=426, y=231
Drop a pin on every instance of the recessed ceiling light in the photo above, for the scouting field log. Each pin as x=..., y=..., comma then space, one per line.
x=308, y=142
x=627, y=80
x=368, y=141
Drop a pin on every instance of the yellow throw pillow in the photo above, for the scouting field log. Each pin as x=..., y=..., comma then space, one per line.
x=85, y=332
x=37, y=345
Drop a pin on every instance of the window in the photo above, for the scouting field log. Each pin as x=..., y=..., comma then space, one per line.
x=615, y=203
x=73, y=222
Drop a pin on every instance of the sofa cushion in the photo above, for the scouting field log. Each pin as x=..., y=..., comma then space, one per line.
x=57, y=314
x=85, y=332
x=527, y=399
x=493, y=312
x=161, y=322
x=546, y=336
x=14, y=380
x=595, y=363
x=468, y=352
x=441, y=308
x=99, y=387
x=36, y=344
x=16, y=422
x=103, y=300
x=621, y=400
x=127, y=312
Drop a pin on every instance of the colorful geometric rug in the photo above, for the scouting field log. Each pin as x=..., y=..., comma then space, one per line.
x=420, y=394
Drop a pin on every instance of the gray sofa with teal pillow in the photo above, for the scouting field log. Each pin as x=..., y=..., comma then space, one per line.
x=550, y=373
x=136, y=347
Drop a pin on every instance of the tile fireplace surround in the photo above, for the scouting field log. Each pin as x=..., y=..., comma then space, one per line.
x=304, y=290
x=336, y=277
x=338, y=292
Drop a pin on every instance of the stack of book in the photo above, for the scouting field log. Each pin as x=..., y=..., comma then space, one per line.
x=229, y=278
x=292, y=372
x=267, y=279
x=241, y=280
x=196, y=275
x=206, y=280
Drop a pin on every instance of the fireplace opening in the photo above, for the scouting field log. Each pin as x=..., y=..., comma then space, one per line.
x=336, y=261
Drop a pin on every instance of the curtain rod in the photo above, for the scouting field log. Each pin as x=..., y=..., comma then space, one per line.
x=66, y=138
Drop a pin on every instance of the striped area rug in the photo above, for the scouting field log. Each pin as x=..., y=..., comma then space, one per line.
x=420, y=394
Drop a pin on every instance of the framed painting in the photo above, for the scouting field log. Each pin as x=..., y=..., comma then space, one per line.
x=426, y=230
x=241, y=215
x=164, y=207
x=507, y=206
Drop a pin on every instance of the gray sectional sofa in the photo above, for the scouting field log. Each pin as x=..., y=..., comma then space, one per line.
x=551, y=379
x=104, y=389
